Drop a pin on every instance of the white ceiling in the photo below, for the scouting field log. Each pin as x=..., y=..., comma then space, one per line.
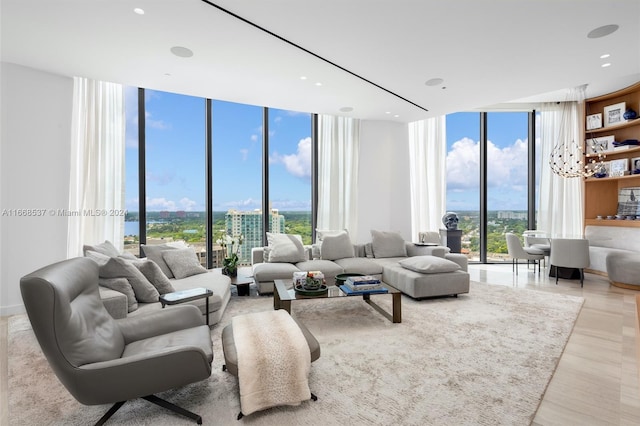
x=487, y=51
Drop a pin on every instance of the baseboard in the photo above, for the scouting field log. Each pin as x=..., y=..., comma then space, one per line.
x=6, y=311
x=593, y=271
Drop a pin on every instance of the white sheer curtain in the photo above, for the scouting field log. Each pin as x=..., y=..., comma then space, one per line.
x=96, y=191
x=561, y=206
x=338, y=146
x=427, y=167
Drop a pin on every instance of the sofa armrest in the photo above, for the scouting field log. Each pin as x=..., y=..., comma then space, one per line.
x=159, y=322
x=257, y=255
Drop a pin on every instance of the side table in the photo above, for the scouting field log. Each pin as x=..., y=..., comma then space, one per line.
x=187, y=296
x=242, y=283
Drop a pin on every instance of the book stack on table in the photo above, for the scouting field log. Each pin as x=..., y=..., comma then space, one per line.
x=363, y=285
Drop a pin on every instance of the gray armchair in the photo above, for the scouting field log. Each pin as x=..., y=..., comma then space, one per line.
x=101, y=360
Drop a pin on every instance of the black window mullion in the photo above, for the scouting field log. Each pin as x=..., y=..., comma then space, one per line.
x=209, y=181
x=142, y=187
x=266, y=213
x=531, y=178
x=483, y=187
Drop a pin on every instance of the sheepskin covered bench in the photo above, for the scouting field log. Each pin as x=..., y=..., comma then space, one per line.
x=262, y=349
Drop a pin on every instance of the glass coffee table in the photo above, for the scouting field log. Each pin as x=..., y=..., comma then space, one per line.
x=284, y=294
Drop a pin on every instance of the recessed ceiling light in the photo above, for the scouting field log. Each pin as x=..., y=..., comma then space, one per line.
x=434, y=82
x=606, y=55
x=139, y=11
x=396, y=116
x=318, y=84
x=346, y=109
x=303, y=77
x=182, y=52
x=388, y=112
x=603, y=31
x=606, y=65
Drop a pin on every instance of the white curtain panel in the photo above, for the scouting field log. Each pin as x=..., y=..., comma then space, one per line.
x=96, y=191
x=338, y=146
x=561, y=203
x=427, y=166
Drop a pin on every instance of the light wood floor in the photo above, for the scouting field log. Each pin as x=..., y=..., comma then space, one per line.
x=596, y=382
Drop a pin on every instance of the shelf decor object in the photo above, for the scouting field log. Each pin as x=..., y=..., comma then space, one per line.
x=613, y=114
x=594, y=121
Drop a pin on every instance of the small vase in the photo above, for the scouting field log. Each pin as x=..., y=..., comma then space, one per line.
x=231, y=272
x=629, y=114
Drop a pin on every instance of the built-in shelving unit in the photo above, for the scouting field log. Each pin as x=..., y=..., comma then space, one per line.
x=601, y=194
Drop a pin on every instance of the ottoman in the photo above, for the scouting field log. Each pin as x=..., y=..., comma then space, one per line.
x=231, y=356
x=624, y=270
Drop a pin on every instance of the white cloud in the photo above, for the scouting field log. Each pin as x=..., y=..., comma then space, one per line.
x=155, y=124
x=161, y=203
x=246, y=204
x=507, y=167
x=187, y=204
x=298, y=164
x=244, y=153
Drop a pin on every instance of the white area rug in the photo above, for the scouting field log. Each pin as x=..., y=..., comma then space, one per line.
x=482, y=359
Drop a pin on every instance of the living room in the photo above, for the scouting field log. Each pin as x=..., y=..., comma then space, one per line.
x=36, y=174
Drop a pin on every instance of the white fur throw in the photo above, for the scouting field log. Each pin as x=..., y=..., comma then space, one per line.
x=273, y=360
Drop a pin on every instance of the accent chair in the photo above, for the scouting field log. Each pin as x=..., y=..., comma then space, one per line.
x=101, y=360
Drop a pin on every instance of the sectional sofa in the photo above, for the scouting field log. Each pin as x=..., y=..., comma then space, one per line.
x=417, y=270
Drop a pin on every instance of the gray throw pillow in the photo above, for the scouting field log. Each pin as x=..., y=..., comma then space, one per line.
x=429, y=264
x=117, y=267
x=337, y=246
x=107, y=248
x=121, y=285
x=154, y=274
x=183, y=262
x=284, y=248
x=99, y=258
x=387, y=244
x=154, y=252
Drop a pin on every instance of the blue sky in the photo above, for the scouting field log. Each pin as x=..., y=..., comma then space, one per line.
x=506, y=160
x=175, y=149
x=175, y=153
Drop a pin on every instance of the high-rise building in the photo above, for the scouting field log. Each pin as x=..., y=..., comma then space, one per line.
x=249, y=225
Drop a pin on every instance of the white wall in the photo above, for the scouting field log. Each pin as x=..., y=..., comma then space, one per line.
x=384, y=199
x=34, y=174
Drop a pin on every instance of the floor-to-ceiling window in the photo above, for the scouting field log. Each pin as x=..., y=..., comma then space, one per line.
x=169, y=140
x=175, y=169
x=237, y=174
x=493, y=199
x=463, y=177
x=290, y=172
x=507, y=191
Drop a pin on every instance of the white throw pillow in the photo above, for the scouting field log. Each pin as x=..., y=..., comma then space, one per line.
x=336, y=246
x=284, y=248
x=429, y=264
x=322, y=233
x=183, y=262
x=154, y=252
x=387, y=244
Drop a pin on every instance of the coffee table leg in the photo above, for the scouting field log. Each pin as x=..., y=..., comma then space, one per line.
x=397, y=308
x=207, y=308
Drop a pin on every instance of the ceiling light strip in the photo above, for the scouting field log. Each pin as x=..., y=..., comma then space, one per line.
x=228, y=12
